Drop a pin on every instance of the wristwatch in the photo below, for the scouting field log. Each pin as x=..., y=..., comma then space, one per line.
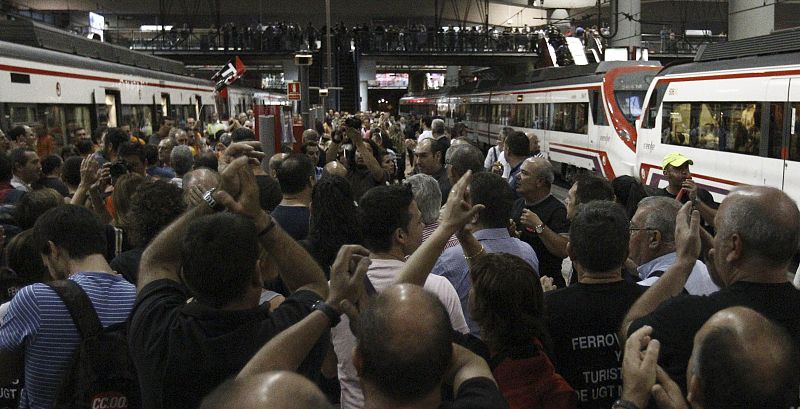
x=539, y=229
x=208, y=197
x=334, y=316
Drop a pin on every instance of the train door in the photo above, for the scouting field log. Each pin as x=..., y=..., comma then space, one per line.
x=113, y=108
x=774, y=127
x=791, y=168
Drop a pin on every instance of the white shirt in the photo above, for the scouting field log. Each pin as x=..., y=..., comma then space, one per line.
x=698, y=283
x=427, y=134
x=506, y=165
x=18, y=184
x=383, y=273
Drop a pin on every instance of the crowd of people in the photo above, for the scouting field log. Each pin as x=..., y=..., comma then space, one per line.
x=381, y=262
x=365, y=38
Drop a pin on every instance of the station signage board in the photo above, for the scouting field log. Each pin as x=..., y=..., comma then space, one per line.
x=293, y=90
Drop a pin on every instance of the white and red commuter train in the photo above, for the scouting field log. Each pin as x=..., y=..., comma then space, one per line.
x=734, y=111
x=584, y=115
x=63, y=91
x=734, y=114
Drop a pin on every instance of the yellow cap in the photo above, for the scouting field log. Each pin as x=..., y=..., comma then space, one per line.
x=675, y=159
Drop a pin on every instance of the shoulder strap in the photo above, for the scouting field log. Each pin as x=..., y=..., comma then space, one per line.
x=79, y=306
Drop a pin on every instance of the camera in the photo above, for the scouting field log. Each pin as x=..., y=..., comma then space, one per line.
x=118, y=168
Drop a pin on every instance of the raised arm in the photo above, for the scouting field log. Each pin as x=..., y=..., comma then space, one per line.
x=297, y=268
x=457, y=213
x=464, y=366
x=162, y=258
x=364, y=150
x=287, y=350
x=687, y=239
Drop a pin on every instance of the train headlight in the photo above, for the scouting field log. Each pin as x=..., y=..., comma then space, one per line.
x=624, y=134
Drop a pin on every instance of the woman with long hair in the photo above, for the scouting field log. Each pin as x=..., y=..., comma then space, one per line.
x=334, y=220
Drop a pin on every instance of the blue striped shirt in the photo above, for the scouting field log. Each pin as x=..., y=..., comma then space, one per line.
x=39, y=324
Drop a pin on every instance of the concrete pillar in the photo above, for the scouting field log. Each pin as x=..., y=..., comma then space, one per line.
x=366, y=72
x=363, y=92
x=747, y=18
x=451, y=77
x=629, y=32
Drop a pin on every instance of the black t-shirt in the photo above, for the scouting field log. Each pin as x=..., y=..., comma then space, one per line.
x=182, y=351
x=676, y=320
x=293, y=219
x=361, y=180
x=554, y=215
x=127, y=264
x=583, y=321
x=477, y=393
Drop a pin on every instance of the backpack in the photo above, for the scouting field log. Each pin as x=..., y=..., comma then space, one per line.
x=101, y=373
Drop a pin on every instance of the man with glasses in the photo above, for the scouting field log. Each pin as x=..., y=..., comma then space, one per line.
x=652, y=245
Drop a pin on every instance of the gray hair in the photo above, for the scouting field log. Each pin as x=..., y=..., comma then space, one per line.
x=181, y=159
x=428, y=196
x=545, y=171
x=464, y=157
x=661, y=214
x=437, y=127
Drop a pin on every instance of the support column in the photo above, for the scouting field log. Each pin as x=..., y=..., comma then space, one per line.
x=363, y=91
x=629, y=30
x=366, y=72
x=747, y=18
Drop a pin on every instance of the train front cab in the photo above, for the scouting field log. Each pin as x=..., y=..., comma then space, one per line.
x=738, y=128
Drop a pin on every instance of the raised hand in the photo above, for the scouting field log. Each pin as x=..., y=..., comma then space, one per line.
x=667, y=393
x=687, y=232
x=639, y=368
x=89, y=168
x=239, y=149
x=347, y=275
x=239, y=192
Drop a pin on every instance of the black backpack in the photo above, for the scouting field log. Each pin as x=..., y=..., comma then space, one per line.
x=101, y=373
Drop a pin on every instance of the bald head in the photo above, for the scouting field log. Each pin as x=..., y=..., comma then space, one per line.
x=765, y=219
x=403, y=353
x=203, y=178
x=275, y=163
x=335, y=168
x=742, y=360
x=276, y=390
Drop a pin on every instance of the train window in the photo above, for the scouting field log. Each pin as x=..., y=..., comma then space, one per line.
x=651, y=110
x=732, y=127
x=22, y=114
x=775, y=141
x=598, y=109
x=570, y=117
x=581, y=118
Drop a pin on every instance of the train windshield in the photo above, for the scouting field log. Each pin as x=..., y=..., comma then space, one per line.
x=630, y=103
